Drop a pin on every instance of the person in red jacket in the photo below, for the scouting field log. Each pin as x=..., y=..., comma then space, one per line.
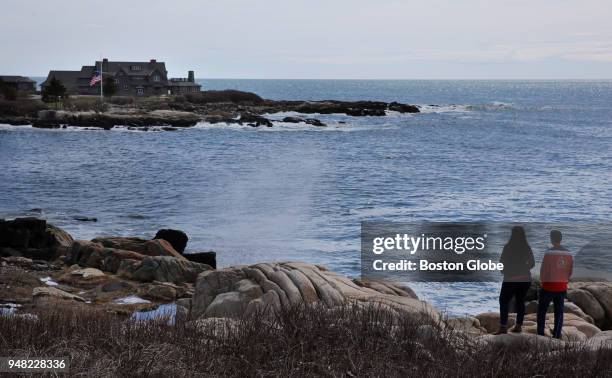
x=555, y=273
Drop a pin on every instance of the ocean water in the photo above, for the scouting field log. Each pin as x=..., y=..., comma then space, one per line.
x=480, y=151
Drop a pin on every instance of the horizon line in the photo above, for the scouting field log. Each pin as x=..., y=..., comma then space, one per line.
x=386, y=79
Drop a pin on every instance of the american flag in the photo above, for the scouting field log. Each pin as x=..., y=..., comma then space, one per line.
x=96, y=78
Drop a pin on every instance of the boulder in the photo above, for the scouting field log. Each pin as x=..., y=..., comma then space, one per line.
x=33, y=238
x=587, y=303
x=308, y=121
x=155, y=247
x=234, y=291
x=469, y=325
x=178, y=239
x=94, y=255
x=88, y=273
x=314, y=122
x=254, y=120
x=403, y=108
x=490, y=321
x=601, y=340
x=208, y=258
x=161, y=291
x=49, y=292
x=168, y=269
x=602, y=291
x=520, y=340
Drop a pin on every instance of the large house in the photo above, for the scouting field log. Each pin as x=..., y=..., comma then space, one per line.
x=132, y=79
x=20, y=83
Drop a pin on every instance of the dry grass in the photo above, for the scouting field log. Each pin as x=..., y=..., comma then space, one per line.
x=350, y=341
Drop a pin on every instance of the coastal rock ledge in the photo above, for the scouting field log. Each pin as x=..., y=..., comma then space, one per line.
x=268, y=287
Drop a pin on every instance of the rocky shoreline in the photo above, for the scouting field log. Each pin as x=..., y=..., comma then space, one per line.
x=231, y=107
x=42, y=266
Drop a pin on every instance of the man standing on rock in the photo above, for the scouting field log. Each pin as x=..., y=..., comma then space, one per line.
x=555, y=273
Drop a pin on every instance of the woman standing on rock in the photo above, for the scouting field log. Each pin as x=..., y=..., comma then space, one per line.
x=518, y=261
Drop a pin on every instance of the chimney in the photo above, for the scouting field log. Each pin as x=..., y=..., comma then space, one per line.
x=105, y=65
x=191, y=77
x=153, y=61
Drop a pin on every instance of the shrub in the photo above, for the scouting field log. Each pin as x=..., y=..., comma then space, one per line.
x=302, y=341
x=122, y=100
x=153, y=103
x=9, y=93
x=85, y=104
x=21, y=107
x=233, y=96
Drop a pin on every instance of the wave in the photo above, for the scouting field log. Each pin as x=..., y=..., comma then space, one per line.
x=465, y=108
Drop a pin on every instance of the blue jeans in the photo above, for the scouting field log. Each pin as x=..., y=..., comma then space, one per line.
x=544, y=300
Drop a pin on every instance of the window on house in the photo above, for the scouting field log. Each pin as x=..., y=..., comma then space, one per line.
x=136, y=68
x=126, y=87
x=156, y=78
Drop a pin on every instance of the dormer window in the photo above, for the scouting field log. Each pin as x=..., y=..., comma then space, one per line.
x=136, y=68
x=156, y=78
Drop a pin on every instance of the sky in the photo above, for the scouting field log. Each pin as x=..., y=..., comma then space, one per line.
x=315, y=39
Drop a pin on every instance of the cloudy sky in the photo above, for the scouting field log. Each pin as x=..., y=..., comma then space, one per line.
x=427, y=39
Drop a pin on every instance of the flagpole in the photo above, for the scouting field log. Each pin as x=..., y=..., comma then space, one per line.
x=101, y=81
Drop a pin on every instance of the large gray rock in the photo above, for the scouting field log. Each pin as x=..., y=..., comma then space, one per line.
x=587, y=303
x=48, y=292
x=601, y=340
x=521, y=340
x=168, y=269
x=602, y=291
x=265, y=287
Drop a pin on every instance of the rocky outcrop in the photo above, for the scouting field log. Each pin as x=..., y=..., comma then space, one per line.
x=595, y=299
x=163, y=269
x=254, y=120
x=234, y=291
x=575, y=328
x=145, y=261
x=155, y=247
x=96, y=255
x=48, y=292
x=178, y=239
x=308, y=121
x=208, y=258
x=55, y=119
x=32, y=238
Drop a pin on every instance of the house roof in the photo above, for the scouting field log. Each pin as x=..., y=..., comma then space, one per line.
x=68, y=78
x=16, y=79
x=147, y=68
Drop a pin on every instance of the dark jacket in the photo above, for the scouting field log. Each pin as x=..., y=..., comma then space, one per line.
x=517, y=264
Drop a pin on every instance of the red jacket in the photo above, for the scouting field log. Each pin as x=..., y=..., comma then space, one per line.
x=556, y=269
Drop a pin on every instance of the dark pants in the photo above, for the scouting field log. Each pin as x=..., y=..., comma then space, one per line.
x=518, y=290
x=544, y=300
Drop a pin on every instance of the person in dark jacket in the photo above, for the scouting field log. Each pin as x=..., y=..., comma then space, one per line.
x=518, y=261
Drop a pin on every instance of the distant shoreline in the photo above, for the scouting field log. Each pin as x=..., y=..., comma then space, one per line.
x=228, y=106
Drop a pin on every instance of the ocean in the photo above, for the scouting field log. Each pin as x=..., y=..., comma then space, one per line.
x=517, y=151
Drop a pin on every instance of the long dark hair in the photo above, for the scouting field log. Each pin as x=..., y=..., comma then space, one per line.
x=518, y=245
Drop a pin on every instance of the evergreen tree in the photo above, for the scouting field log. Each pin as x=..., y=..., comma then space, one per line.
x=110, y=87
x=54, y=92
